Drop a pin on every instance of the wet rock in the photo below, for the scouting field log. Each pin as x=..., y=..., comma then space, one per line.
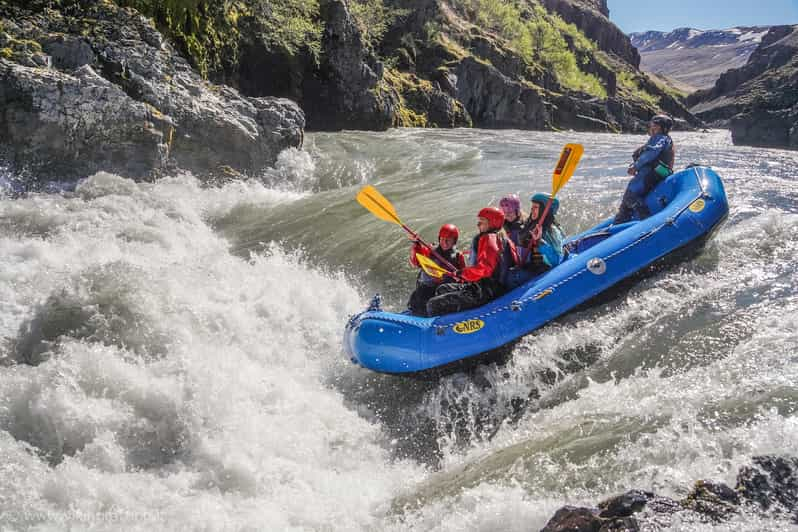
x=663, y=505
x=625, y=505
x=717, y=501
x=621, y=524
x=771, y=481
x=76, y=124
x=574, y=519
x=117, y=97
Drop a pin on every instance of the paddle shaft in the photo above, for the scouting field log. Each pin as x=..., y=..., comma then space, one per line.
x=562, y=173
x=369, y=197
x=437, y=255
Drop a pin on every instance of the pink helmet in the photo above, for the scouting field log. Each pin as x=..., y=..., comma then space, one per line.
x=511, y=203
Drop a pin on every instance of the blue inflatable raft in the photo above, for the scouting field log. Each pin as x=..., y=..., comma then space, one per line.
x=686, y=208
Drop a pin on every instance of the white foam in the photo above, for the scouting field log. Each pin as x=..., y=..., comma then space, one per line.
x=196, y=380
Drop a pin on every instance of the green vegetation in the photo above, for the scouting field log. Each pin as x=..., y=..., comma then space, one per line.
x=631, y=82
x=207, y=31
x=373, y=18
x=15, y=49
x=405, y=85
x=537, y=37
x=293, y=25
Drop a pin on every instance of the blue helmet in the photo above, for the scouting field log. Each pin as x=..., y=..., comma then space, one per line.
x=542, y=198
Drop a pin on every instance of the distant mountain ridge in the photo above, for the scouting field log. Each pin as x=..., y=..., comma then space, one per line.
x=758, y=101
x=695, y=58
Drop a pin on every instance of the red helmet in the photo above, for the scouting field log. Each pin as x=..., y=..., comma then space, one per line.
x=449, y=231
x=494, y=216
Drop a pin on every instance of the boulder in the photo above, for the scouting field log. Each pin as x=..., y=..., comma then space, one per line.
x=770, y=484
x=717, y=501
x=72, y=125
x=771, y=481
x=625, y=505
x=574, y=519
x=116, y=96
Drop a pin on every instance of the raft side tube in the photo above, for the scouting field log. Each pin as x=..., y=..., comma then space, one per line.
x=688, y=206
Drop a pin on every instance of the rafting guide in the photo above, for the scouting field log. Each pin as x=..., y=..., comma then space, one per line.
x=653, y=162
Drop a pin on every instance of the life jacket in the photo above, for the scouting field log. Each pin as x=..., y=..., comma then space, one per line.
x=668, y=156
x=454, y=257
x=549, y=245
x=508, y=256
x=513, y=229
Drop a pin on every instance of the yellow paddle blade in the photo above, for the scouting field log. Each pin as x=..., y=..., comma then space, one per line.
x=430, y=267
x=569, y=158
x=376, y=203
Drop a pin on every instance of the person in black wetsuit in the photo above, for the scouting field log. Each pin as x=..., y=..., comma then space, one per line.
x=425, y=284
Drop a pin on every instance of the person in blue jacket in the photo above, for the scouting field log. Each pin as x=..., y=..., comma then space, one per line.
x=652, y=163
x=538, y=255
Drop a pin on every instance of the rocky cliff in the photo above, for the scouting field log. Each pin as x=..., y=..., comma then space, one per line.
x=142, y=86
x=528, y=65
x=759, y=101
x=693, y=58
x=592, y=18
x=92, y=86
x=373, y=64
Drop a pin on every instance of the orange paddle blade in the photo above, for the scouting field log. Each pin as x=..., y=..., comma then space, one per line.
x=569, y=158
x=376, y=203
x=430, y=267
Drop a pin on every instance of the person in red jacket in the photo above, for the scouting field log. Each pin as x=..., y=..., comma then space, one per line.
x=491, y=254
x=425, y=284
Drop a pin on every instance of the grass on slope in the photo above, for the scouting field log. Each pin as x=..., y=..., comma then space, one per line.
x=539, y=38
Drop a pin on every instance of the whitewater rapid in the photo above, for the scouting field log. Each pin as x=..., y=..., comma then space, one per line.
x=171, y=351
